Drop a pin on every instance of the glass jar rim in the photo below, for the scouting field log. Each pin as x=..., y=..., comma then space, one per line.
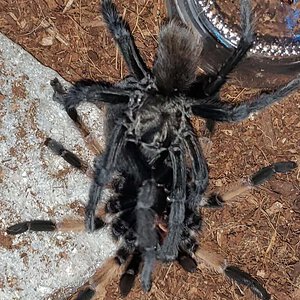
x=229, y=36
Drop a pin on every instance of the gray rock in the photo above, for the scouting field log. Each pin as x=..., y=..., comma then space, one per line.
x=35, y=184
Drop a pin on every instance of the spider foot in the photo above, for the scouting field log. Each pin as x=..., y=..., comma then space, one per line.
x=284, y=166
x=146, y=285
x=126, y=283
x=187, y=263
x=18, y=228
x=59, y=91
x=266, y=173
x=209, y=129
x=36, y=225
x=244, y=278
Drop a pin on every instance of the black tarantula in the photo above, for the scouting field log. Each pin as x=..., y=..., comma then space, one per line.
x=153, y=160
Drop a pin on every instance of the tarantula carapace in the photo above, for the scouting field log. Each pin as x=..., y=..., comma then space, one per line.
x=153, y=160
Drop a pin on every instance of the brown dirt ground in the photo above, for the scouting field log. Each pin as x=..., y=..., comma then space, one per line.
x=260, y=231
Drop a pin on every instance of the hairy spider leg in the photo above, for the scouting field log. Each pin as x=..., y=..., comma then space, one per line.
x=199, y=167
x=131, y=271
x=260, y=177
x=193, y=226
x=136, y=164
x=71, y=158
x=218, y=264
x=227, y=112
x=66, y=225
x=134, y=171
x=125, y=199
x=125, y=262
x=146, y=232
x=96, y=93
x=120, y=30
x=169, y=249
x=104, y=166
x=123, y=224
x=59, y=96
x=95, y=287
x=190, y=253
x=245, y=43
x=188, y=243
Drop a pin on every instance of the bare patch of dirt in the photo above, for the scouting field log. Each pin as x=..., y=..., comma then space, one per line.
x=260, y=231
x=6, y=241
x=19, y=90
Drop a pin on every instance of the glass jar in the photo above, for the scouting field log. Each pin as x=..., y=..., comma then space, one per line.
x=275, y=56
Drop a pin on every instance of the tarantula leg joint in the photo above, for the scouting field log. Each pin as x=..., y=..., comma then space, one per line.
x=214, y=201
x=58, y=149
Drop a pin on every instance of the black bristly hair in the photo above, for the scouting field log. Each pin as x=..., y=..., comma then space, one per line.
x=152, y=148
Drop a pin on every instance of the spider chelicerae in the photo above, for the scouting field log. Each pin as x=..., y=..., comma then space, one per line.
x=153, y=161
